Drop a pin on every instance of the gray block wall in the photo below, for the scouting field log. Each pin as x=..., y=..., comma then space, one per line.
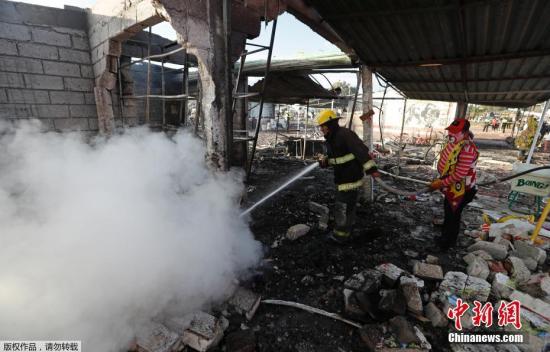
x=45, y=66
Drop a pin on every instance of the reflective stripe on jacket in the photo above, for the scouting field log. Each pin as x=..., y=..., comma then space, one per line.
x=349, y=156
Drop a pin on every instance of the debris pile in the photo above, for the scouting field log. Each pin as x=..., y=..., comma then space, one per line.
x=200, y=331
x=496, y=272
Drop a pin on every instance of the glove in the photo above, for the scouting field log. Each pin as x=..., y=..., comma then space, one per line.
x=436, y=184
x=323, y=162
x=373, y=171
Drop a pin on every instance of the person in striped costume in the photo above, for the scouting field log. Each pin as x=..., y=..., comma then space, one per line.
x=457, y=181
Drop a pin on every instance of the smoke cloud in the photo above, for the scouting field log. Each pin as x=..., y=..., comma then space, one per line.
x=98, y=237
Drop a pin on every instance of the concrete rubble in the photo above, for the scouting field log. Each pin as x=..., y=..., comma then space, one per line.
x=478, y=268
x=516, y=267
x=497, y=251
x=297, y=231
x=428, y=271
x=156, y=337
x=245, y=302
x=322, y=212
x=204, y=332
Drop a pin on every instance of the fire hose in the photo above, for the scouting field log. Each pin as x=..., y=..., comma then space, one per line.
x=426, y=190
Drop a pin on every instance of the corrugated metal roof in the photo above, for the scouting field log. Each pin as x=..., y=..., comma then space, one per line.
x=479, y=51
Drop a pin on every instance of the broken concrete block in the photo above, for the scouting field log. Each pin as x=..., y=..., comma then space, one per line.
x=373, y=280
x=479, y=254
x=405, y=279
x=432, y=259
x=245, y=302
x=527, y=250
x=203, y=331
x=478, y=268
x=322, y=211
x=497, y=251
x=530, y=263
x=241, y=341
x=156, y=337
x=502, y=287
x=537, y=286
x=517, y=269
x=453, y=284
x=468, y=347
x=410, y=253
x=297, y=231
x=436, y=316
x=367, y=304
x=496, y=266
x=534, y=304
x=403, y=330
x=355, y=282
x=428, y=271
x=390, y=273
x=476, y=289
x=351, y=305
x=412, y=297
x=506, y=243
x=424, y=344
x=372, y=336
x=317, y=208
x=392, y=301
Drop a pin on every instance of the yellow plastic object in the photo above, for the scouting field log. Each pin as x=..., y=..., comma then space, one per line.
x=540, y=222
x=325, y=116
x=530, y=218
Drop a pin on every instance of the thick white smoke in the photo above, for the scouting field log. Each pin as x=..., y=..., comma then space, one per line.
x=96, y=238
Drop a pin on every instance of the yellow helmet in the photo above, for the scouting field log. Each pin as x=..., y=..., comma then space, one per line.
x=325, y=116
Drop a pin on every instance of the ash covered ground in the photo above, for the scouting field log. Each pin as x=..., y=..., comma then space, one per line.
x=312, y=270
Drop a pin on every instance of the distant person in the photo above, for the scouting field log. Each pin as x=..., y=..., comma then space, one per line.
x=350, y=158
x=457, y=180
x=487, y=123
x=504, y=124
x=494, y=123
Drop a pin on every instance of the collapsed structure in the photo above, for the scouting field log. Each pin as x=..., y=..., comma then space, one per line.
x=72, y=68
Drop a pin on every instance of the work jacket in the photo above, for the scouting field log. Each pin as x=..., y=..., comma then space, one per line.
x=349, y=157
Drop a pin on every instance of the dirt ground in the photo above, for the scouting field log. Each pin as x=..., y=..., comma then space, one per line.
x=311, y=270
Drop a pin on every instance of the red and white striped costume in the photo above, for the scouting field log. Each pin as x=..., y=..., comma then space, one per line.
x=463, y=169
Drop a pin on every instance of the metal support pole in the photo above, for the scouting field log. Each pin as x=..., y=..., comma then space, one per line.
x=305, y=131
x=198, y=108
x=518, y=114
x=277, y=123
x=541, y=221
x=163, y=90
x=401, y=135
x=354, y=100
x=147, y=104
x=120, y=95
x=539, y=127
x=182, y=114
x=268, y=66
x=228, y=77
x=366, y=79
x=380, y=118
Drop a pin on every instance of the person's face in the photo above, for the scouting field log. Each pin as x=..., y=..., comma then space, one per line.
x=456, y=137
x=324, y=129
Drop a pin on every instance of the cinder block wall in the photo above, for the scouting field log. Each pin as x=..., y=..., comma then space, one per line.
x=45, y=66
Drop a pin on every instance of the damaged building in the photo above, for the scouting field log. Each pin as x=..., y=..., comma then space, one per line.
x=103, y=70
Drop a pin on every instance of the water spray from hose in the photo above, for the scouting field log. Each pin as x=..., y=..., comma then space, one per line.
x=305, y=171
